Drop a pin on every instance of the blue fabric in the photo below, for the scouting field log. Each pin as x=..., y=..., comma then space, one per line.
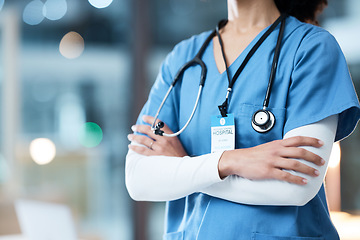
x=312, y=83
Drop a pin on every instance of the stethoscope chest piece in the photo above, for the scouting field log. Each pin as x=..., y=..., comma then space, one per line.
x=263, y=121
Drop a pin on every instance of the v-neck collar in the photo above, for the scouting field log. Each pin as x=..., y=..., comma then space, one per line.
x=235, y=64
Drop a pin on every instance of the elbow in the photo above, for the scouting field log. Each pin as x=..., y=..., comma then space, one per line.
x=132, y=180
x=138, y=190
x=138, y=181
x=133, y=191
x=134, y=187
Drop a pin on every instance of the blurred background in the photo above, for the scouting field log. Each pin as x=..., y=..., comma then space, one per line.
x=74, y=75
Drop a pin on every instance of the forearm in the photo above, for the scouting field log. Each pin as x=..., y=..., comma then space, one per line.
x=162, y=178
x=273, y=192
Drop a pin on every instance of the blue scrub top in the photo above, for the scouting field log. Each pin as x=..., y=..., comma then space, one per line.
x=312, y=82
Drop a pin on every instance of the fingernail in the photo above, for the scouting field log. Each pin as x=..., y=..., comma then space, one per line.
x=304, y=181
x=317, y=173
x=133, y=127
x=322, y=161
x=130, y=137
x=321, y=142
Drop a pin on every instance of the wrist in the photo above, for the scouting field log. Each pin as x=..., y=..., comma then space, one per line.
x=225, y=165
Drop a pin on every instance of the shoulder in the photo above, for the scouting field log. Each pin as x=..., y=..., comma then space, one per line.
x=309, y=35
x=303, y=30
x=306, y=41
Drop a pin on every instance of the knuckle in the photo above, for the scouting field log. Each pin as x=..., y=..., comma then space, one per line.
x=284, y=176
x=139, y=128
x=142, y=139
x=264, y=172
x=296, y=164
x=302, y=151
x=279, y=143
x=141, y=150
x=272, y=154
x=269, y=163
x=135, y=138
x=267, y=172
x=299, y=139
x=275, y=151
x=313, y=159
x=161, y=148
x=283, y=142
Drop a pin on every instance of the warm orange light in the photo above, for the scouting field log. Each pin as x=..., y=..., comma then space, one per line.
x=71, y=45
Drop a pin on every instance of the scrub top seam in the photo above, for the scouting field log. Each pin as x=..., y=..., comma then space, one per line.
x=306, y=37
x=203, y=218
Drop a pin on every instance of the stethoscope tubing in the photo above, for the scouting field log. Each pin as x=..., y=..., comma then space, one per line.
x=188, y=121
x=195, y=61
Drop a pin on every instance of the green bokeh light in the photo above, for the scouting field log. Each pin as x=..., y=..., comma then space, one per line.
x=91, y=135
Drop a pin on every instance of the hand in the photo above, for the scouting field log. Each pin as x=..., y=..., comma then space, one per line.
x=154, y=144
x=267, y=161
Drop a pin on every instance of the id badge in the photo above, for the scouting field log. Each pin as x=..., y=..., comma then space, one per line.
x=222, y=133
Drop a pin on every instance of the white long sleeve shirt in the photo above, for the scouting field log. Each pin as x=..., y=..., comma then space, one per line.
x=163, y=178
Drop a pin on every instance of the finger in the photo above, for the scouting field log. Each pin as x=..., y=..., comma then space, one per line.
x=144, y=129
x=140, y=139
x=301, y=153
x=288, y=177
x=150, y=120
x=302, y=141
x=297, y=166
x=141, y=150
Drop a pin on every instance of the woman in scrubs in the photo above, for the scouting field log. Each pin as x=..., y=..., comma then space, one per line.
x=271, y=185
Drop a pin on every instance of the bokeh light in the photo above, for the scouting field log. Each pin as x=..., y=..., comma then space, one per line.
x=71, y=45
x=42, y=150
x=335, y=156
x=1, y=4
x=33, y=12
x=55, y=9
x=100, y=3
x=91, y=135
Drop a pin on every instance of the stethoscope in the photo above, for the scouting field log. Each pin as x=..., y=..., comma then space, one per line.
x=263, y=120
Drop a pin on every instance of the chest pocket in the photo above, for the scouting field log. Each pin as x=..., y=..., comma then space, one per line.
x=246, y=136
